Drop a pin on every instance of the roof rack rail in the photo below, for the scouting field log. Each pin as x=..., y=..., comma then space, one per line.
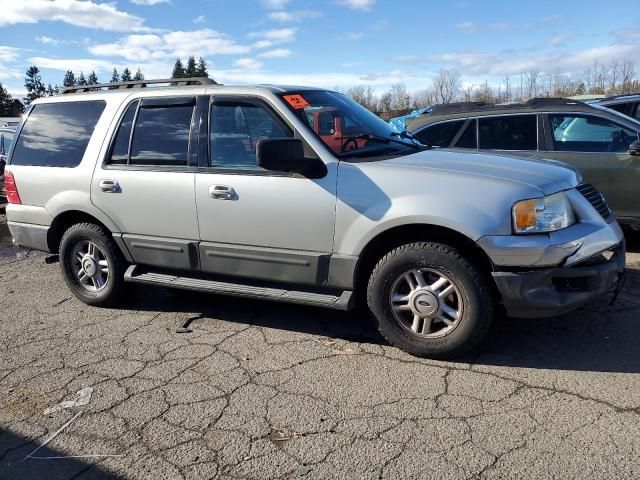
x=622, y=95
x=552, y=102
x=456, y=107
x=538, y=102
x=177, y=82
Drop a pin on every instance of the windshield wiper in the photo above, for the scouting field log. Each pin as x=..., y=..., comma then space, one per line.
x=410, y=136
x=380, y=138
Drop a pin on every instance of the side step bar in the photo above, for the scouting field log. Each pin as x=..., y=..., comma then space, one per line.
x=137, y=274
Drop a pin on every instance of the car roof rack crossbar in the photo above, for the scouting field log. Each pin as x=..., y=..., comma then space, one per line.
x=177, y=82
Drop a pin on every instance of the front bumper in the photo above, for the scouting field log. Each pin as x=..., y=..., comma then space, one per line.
x=553, y=291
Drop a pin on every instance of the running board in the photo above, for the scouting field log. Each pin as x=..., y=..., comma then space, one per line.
x=137, y=274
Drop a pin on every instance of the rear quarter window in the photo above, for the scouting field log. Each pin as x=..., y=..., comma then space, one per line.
x=57, y=134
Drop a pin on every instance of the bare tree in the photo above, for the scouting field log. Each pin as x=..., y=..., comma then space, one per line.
x=423, y=98
x=400, y=98
x=531, y=86
x=627, y=74
x=446, y=85
x=364, y=95
x=467, y=92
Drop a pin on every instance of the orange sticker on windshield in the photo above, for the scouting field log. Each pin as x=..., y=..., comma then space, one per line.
x=296, y=101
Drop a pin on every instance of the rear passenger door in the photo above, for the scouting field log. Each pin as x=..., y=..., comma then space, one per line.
x=146, y=182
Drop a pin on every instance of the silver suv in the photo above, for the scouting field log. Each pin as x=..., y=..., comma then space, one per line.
x=301, y=195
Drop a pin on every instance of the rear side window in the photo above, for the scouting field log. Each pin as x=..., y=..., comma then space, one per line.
x=160, y=136
x=57, y=134
x=516, y=132
x=440, y=134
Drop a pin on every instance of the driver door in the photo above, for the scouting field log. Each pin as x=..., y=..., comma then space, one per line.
x=599, y=148
x=256, y=223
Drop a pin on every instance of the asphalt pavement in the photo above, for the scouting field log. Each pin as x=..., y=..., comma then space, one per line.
x=258, y=390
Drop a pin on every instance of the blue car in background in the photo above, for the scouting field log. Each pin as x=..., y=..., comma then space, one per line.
x=399, y=123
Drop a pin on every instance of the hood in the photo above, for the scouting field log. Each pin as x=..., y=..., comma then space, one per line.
x=549, y=176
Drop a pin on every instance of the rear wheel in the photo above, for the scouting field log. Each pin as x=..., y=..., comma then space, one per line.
x=429, y=300
x=92, y=264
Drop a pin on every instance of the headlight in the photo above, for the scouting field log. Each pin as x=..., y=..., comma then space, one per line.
x=540, y=215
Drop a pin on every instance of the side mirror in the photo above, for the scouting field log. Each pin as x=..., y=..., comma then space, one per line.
x=287, y=155
x=634, y=148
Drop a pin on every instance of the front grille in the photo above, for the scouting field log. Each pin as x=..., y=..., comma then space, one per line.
x=595, y=198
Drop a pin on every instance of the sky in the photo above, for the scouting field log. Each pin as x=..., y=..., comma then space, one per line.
x=327, y=43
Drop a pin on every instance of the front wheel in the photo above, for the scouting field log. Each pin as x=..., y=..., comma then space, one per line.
x=92, y=264
x=430, y=301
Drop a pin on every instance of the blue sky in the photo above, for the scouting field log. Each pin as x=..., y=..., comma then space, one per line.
x=321, y=43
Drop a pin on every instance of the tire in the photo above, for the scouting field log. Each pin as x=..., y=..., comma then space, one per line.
x=89, y=289
x=466, y=305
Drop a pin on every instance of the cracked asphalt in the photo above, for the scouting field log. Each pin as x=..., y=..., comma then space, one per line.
x=261, y=390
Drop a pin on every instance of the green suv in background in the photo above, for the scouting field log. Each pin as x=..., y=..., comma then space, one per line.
x=603, y=144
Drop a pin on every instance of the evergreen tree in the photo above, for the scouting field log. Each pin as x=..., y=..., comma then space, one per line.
x=33, y=84
x=178, y=70
x=51, y=91
x=138, y=76
x=5, y=102
x=201, y=69
x=92, y=79
x=126, y=75
x=191, y=70
x=69, y=79
x=81, y=80
x=115, y=77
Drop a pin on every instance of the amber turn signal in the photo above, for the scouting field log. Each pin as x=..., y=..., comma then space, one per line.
x=524, y=215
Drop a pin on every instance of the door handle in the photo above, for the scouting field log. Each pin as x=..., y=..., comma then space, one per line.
x=109, y=186
x=222, y=192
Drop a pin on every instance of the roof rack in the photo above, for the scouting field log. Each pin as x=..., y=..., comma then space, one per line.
x=176, y=82
x=538, y=102
x=622, y=95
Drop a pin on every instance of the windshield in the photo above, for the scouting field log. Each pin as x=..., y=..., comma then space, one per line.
x=344, y=126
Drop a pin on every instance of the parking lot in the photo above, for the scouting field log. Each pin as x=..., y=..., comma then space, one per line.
x=263, y=390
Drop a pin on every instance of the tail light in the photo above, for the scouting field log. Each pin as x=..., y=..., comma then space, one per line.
x=12, y=190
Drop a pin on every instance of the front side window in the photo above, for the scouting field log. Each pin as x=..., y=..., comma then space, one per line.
x=57, y=134
x=587, y=133
x=347, y=128
x=236, y=127
x=440, y=134
x=515, y=132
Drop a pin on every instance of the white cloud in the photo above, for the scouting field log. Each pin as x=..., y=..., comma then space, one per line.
x=294, y=16
x=152, y=47
x=102, y=16
x=471, y=27
x=358, y=4
x=247, y=64
x=200, y=19
x=9, y=54
x=268, y=38
x=467, y=26
x=351, y=36
x=496, y=64
x=275, y=4
x=277, y=53
x=149, y=2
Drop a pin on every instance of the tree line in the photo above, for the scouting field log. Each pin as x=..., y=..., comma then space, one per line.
x=613, y=78
x=36, y=88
